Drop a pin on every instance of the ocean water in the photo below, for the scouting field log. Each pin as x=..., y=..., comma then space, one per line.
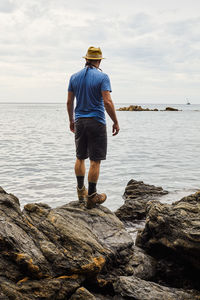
x=37, y=153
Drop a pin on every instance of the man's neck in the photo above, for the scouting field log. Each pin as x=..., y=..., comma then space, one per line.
x=95, y=65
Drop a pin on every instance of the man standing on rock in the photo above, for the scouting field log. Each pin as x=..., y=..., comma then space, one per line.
x=91, y=88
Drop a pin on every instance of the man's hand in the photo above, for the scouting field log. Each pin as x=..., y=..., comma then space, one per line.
x=115, y=128
x=71, y=126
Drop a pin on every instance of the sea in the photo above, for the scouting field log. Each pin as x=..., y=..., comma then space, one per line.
x=37, y=152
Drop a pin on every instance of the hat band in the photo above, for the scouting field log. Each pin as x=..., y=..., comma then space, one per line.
x=94, y=56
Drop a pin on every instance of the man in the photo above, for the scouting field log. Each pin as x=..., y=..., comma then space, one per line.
x=91, y=87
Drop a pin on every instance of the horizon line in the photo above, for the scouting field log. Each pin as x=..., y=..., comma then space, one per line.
x=132, y=102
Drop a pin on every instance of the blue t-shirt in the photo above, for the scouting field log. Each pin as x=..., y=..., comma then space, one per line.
x=87, y=85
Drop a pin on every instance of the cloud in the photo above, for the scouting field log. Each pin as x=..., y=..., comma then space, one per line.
x=7, y=6
x=44, y=41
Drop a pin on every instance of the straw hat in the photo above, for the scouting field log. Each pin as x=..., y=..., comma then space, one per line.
x=93, y=53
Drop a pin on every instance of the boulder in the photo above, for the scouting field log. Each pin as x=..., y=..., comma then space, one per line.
x=142, y=265
x=82, y=294
x=139, y=264
x=135, y=288
x=71, y=252
x=136, y=195
x=50, y=288
x=48, y=252
x=127, y=263
x=171, y=109
x=107, y=297
x=174, y=229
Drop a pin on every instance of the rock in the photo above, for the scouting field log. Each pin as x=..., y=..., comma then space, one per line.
x=82, y=294
x=136, y=195
x=172, y=236
x=127, y=263
x=168, y=267
x=106, y=227
x=71, y=252
x=139, y=108
x=172, y=271
x=133, y=227
x=48, y=252
x=107, y=297
x=142, y=265
x=171, y=109
x=50, y=288
x=174, y=228
x=2, y=190
x=138, y=289
x=137, y=263
x=135, y=108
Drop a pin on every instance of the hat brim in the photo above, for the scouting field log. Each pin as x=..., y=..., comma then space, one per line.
x=93, y=58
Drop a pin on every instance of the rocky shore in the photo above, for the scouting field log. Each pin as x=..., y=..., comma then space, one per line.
x=71, y=252
x=139, y=108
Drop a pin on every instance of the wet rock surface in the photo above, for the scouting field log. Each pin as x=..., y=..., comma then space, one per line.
x=136, y=195
x=71, y=252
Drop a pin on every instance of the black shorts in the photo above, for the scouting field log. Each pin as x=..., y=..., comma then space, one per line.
x=90, y=139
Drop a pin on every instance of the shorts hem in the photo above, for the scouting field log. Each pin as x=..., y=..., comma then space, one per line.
x=81, y=157
x=96, y=159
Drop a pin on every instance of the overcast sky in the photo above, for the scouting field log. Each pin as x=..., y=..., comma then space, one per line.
x=152, y=48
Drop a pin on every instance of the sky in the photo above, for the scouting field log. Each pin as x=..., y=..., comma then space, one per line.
x=152, y=48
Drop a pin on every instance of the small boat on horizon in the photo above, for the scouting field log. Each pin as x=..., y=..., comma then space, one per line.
x=188, y=103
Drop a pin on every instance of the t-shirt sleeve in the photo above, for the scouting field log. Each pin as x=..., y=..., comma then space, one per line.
x=70, y=87
x=106, y=86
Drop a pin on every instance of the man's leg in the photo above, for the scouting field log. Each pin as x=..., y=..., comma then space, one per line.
x=93, y=176
x=80, y=175
x=80, y=172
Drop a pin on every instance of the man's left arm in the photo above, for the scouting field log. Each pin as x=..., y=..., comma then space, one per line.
x=109, y=106
x=110, y=109
x=70, y=109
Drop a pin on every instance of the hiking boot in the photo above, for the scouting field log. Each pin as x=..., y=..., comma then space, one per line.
x=94, y=199
x=82, y=194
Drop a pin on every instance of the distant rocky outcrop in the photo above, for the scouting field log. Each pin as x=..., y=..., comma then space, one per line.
x=171, y=109
x=136, y=108
x=140, y=108
x=71, y=252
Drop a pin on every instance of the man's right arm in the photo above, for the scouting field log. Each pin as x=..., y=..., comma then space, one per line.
x=110, y=109
x=70, y=109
